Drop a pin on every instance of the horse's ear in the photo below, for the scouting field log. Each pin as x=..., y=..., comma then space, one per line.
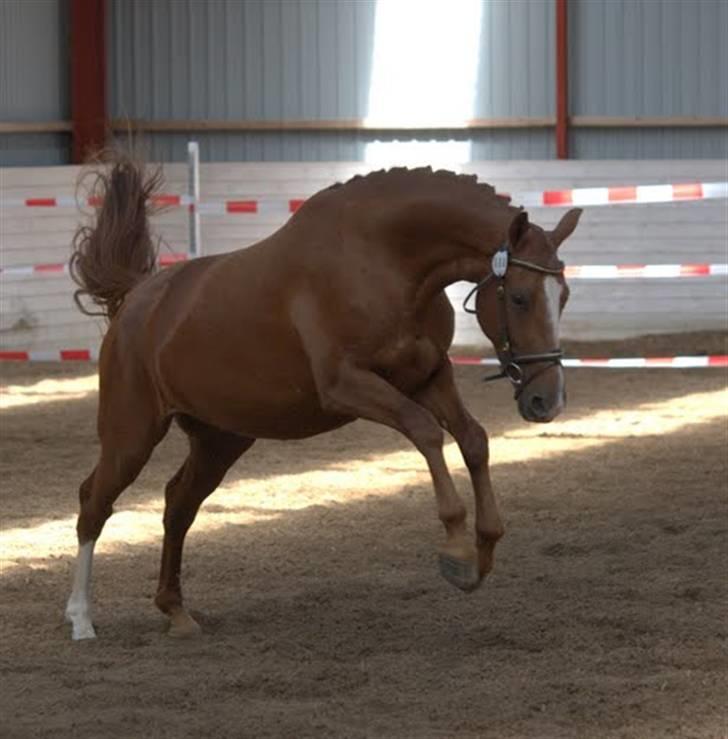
x=518, y=227
x=566, y=227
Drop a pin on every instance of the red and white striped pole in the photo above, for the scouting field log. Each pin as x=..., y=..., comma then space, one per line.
x=676, y=362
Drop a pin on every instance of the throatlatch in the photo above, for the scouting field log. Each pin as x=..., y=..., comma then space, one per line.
x=509, y=361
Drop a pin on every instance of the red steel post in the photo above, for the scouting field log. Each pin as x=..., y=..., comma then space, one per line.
x=88, y=76
x=562, y=80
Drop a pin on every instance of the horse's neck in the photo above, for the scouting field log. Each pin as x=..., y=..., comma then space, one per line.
x=442, y=227
x=453, y=244
x=469, y=268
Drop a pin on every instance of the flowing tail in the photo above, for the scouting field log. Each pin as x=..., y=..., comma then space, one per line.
x=110, y=257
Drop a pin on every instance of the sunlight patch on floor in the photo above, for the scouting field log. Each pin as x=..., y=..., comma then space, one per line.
x=249, y=501
x=662, y=417
x=48, y=391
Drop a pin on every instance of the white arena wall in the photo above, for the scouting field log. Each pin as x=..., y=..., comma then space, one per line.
x=37, y=312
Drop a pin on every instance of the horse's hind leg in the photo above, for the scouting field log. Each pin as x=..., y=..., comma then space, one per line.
x=129, y=429
x=118, y=467
x=212, y=453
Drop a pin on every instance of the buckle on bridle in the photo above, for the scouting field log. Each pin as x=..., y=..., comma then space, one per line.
x=514, y=373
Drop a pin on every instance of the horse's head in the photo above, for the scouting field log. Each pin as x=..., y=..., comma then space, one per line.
x=520, y=309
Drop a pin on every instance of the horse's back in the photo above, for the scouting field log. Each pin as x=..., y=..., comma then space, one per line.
x=218, y=335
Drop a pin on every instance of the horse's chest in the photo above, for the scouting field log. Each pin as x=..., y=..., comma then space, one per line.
x=408, y=364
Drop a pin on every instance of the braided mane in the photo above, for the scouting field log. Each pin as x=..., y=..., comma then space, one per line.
x=423, y=176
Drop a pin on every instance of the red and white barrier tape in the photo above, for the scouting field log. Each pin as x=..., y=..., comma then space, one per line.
x=584, y=196
x=719, y=360
x=57, y=355
x=60, y=268
x=576, y=272
x=169, y=200
x=34, y=269
x=621, y=195
x=624, y=271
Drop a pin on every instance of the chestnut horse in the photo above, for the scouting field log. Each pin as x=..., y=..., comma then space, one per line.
x=340, y=314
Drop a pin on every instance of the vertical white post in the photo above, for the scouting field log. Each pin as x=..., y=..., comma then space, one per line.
x=193, y=189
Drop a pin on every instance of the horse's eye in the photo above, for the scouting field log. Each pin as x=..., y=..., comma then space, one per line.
x=519, y=300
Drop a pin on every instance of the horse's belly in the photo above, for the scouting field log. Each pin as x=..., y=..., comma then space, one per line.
x=266, y=420
x=290, y=425
x=263, y=400
x=265, y=388
x=280, y=418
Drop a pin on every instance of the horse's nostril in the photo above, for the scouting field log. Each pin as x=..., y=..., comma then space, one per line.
x=538, y=406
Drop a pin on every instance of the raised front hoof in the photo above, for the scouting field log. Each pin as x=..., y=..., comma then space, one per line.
x=462, y=573
x=183, y=626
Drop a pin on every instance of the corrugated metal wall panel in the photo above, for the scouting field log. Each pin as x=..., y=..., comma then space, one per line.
x=33, y=78
x=33, y=59
x=516, y=61
x=278, y=59
x=312, y=59
x=656, y=58
x=653, y=143
x=34, y=149
x=226, y=59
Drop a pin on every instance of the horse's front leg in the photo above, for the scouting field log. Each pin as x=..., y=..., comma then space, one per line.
x=443, y=400
x=350, y=390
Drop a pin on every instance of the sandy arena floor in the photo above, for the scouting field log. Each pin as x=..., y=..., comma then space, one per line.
x=313, y=573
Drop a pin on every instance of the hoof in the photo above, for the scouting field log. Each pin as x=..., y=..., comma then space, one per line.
x=81, y=626
x=79, y=633
x=183, y=626
x=462, y=573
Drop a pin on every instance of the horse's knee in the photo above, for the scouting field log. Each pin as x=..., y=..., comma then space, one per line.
x=425, y=432
x=474, y=446
x=430, y=439
x=91, y=520
x=178, y=519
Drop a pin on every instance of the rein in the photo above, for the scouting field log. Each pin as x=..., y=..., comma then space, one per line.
x=511, y=362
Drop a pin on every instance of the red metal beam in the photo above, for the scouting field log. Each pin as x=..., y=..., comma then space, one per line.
x=88, y=76
x=562, y=80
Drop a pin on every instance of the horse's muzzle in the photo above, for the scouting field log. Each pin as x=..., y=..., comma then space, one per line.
x=541, y=407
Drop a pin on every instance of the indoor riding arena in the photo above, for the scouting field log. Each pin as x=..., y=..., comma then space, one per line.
x=318, y=579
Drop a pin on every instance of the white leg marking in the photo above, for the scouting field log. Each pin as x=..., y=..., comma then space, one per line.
x=78, y=609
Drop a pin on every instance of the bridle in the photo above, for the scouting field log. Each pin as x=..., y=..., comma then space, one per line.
x=511, y=362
